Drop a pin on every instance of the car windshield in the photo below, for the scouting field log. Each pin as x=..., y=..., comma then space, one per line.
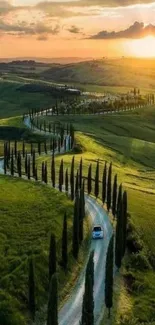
x=97, y=228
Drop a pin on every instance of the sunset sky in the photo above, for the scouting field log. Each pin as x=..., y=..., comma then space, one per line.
x=77, y=28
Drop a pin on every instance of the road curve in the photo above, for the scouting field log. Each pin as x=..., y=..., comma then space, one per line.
x=70, y=313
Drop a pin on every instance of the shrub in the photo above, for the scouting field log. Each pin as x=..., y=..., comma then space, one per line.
x=8, y=310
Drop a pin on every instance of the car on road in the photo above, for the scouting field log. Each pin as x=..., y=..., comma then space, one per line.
x=97, y=232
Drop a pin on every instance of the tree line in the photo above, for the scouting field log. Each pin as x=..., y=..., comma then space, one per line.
x=76, y=185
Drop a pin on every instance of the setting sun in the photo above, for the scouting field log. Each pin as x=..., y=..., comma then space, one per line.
x=144, y=47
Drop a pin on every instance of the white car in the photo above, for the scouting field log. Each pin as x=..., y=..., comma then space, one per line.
x=97, y=232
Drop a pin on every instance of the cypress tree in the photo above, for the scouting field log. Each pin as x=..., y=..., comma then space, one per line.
x=81, y=213
x=97, y=180
x=80, y=174
x=104, y=184
x=12, y=163
x=76, y=227
x=89, y=181
x=64, y=244
x=109, y=275
x=124, y=221
x=15, y=148
x=114, y=194
x=23, y=149
x=109, y=187
x=119, y=198
x=43, y=172
x=31, y=288
x=36, y=174
x=5, y=158
x=52, y=256
x=77, y=182
x=66, y=180
x=60, y=177
x=33, y=163
x=65, y=147
x=88, y=297
x=52, y=309
x=28, y=168
x=19, y=164
x=26, y=163
x=53, y=171
x=119, y=236
x=72, y=179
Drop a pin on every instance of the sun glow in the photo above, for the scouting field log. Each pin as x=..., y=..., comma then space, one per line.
x=144, y=48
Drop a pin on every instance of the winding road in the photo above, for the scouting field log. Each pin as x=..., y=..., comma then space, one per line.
x=70, y=313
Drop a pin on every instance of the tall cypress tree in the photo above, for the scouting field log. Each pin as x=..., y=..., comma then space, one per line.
x=19, y=164
x=97, y=180
x=114, y=196
x=80, y=173
x=89, y=180
x=109, y=275
x=12, y=163
x=43, y=172
x=81, y=213
x=23, y=149
x=53, y=171
x=52, y=256
x=109, y=187
x=64, y=253
x=45, y=147
x=31, y=288
x=72, y=179
x=66, y=180
x=77, y=182
x=26, y=161
x=15, y=148
x=31, y=148
x=119, y=236
x=60, y=177
x=119, y=198
x=104, y=184
x=125, y=207
x=52, y=309
x=28, y=168
x=88, y=297
x=36, y=174
x=33, y=162
x=75, y=242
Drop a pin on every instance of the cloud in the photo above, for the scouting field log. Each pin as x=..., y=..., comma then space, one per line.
x=137, y=30
x=74, y=29
x=24, y=29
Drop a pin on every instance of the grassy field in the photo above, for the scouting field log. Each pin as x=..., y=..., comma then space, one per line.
x=29, y=213
x=128, y=141
x=14, y=102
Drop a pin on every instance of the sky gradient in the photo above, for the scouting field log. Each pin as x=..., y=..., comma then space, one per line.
x=79, y=28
